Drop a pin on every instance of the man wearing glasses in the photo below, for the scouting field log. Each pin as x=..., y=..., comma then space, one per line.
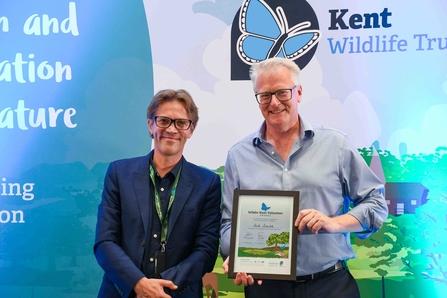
x=157, y=232
x=288, y=153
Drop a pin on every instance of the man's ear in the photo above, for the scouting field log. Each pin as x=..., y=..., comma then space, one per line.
x=149, y=125
x=300, y=93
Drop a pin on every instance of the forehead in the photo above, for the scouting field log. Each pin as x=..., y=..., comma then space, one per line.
x=273, y=79
x=172, y=108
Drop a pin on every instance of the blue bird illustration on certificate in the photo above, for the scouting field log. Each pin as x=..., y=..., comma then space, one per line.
x=264, y=207
x=266, y=34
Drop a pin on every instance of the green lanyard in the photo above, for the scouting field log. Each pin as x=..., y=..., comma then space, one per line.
x=163, y=221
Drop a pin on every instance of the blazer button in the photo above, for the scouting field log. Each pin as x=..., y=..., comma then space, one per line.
x=142, y=243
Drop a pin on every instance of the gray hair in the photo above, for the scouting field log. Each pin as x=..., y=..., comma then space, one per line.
x=273, y=64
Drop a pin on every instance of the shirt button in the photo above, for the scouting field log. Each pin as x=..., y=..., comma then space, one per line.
x=155, y=236
x=162, y=189
x=273, y=152
x=151, y=259
x=142, y=243
x=286, y=170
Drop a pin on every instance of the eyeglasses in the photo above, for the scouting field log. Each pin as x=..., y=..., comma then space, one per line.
x=165, y=122
x=282, y=95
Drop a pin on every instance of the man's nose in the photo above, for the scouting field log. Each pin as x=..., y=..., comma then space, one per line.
x=275, y=100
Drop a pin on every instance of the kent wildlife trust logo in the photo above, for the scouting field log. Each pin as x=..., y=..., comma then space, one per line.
x=264, y=29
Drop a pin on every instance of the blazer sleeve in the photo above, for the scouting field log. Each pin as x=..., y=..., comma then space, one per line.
x=108, y=247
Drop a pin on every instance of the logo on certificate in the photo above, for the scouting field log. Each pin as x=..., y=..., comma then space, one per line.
x=264, y=207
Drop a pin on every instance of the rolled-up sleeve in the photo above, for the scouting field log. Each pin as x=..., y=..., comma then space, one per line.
x=365, y=190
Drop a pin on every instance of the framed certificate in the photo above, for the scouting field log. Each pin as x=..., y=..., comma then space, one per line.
x=263, y=235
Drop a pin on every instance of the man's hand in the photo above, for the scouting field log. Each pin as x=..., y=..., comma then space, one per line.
x=241, y=277
x=153, y=288
x=315, y=221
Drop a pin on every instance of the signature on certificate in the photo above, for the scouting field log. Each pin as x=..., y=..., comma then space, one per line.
x=248, y=235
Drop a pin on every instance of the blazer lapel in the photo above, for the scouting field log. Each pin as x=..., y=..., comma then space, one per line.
x=142, y=190
x=182, y=194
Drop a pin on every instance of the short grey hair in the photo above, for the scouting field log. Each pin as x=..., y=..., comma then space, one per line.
x=273, y=64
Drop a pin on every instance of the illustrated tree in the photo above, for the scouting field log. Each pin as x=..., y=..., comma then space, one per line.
x=382, y=250
x=429, y=260
x=392, y=167
x=427, y=229
x=413, y=243
x=15, y=253
x=276, y=239
x=273, y=239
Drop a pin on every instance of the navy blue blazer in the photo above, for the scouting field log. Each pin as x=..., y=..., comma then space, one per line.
x=124, y=219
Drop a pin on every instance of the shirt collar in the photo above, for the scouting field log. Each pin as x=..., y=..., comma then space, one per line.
x=307, y=132
x=175, y=170
x=307, y=128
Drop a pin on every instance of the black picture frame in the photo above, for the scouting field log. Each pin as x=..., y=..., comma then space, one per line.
x=254, y=221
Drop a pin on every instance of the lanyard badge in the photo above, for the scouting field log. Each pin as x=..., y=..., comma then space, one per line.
x=160, y=261
x=160, y=256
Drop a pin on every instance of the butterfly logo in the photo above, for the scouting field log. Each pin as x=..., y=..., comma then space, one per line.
x=266, y=34
x=264, y=207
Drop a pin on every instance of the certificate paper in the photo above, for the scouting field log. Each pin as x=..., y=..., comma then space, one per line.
x=263, y=235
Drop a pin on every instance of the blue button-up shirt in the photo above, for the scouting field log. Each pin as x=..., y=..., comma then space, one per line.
x=329, y=173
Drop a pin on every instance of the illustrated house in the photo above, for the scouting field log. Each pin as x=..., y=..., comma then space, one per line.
x=404, y=197
x=401, y=197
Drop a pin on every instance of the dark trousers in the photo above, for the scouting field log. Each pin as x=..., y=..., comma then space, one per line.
x=339, y=284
